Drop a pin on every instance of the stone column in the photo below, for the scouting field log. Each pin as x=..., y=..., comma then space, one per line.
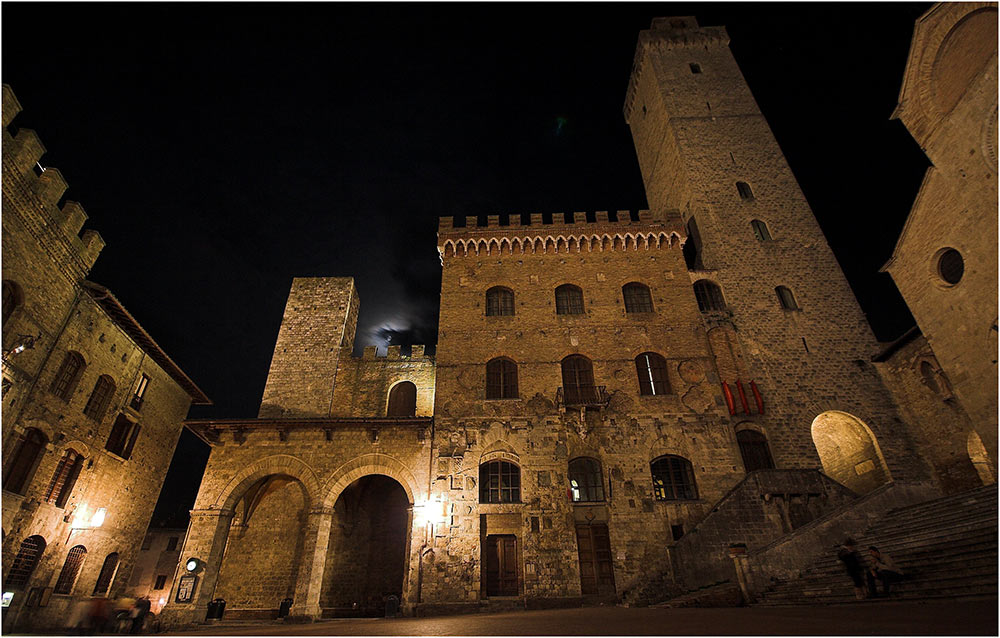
x=310, y=579
x=206, y=539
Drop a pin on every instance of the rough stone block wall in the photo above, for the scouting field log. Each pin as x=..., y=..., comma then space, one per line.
x=318, y=315
x=940, y=426
x=364, y=384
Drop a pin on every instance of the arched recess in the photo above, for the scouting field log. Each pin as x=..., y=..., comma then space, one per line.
x=849, y=452
x=370, y=464
x=980, y=459
x=282, y=464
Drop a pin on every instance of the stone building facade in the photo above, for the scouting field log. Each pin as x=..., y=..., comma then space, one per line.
x=92, y=406
x=155, y=565
x=945, y=261
x=615, y=398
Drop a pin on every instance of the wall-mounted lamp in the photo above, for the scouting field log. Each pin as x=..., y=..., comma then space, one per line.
x=24, y=342
x=80, y=520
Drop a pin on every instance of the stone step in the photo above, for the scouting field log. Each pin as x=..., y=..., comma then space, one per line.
x=798, y=589
x=943, y=521
x=944, y=574
x=928, y=536
x=965, y=567
x=983, y=509
x=979, y=495
x=985, y=545
x=847, y=594
x=851, y=600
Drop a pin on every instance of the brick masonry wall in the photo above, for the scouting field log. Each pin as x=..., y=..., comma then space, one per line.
x=47, y=259
x=949, y=104
x=696, y=135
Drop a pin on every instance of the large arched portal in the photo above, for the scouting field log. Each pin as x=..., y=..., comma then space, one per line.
x=366, y=559
x=264, y=549
x=980, y=459
x=849, y=452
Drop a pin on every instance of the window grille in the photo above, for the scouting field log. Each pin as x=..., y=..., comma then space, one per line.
x=25, y=562
x=501, y=379
x=107, y=574
x=25, y=460
x=569, y=300
x=70, y=570
x=402, y=400
x=744, y=191
x=760, y=230
x=637, y=298
x=499, y=482
x=673, y=479
x=786, y=298
x=586, y=482
x=652, y=371
x=64, y=478
x=67, y=375
x=499, y=302
x=709, y=296
x=100, y=398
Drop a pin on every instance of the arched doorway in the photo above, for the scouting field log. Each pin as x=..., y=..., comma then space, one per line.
x=366, y=557
x=264, y=550
x=980, y=459
x=849, y=452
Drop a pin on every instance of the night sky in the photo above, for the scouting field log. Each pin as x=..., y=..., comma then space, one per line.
x=222, y=149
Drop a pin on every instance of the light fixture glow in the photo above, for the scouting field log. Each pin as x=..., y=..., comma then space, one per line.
x=98, y=519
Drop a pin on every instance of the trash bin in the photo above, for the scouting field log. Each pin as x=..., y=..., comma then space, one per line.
x=286, y=604
x=391, y=606
x=215, y=609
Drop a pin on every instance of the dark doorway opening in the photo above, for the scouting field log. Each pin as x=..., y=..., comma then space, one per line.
x=366, y=557
x=501, y=565
x=597, y=575
x=754, y=449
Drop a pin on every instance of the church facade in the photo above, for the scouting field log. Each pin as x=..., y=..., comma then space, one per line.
x=617, y=401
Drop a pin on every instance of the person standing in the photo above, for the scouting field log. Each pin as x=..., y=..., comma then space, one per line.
x=139, y=618
x=854, y=564
x=884, y=569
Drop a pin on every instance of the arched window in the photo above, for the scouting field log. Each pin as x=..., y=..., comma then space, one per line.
x=578, y=380
x=709, y=296
x=744, y=190
x=652, y=371
x=499, y=482
x=569, y=300
x=760, y=230
x=499, y=302
x=786, y=298
x=67, y=577
x=64, y=479
x=67, y=376
x=100, y=398
x=22, y=468
x=12, y=298
x=637, y=298
x=673, y=479
x=107, y=575
x=501, y=379
x=25, y=562
x=754, y=450
x=586, y=483
x=402, y=400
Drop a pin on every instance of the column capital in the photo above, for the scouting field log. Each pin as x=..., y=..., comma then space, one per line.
x=212, y=512
x=321, y=511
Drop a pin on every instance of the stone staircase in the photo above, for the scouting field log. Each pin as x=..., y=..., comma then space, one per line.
x=947, y=547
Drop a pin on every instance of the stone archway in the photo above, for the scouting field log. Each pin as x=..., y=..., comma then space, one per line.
x=980, y=459
x=367, y=555
x=849, y=451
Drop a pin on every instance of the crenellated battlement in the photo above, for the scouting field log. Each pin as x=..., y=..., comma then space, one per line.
x=21, y=155
x=393, y=353
x=569, y=232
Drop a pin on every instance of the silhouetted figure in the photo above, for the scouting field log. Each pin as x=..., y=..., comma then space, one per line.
x=97, y=615
x=855, y=566
x=884, y=569
x=139, y=618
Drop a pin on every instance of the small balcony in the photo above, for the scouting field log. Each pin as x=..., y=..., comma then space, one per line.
x=582, y=396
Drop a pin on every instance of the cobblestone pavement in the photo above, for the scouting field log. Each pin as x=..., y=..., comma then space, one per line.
x=883, y=618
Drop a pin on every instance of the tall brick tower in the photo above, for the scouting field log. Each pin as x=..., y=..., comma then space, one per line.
x=786, y=310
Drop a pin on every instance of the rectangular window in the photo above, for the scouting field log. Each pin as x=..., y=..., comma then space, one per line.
x=123, y=437
x=140, y=392
x=147, y=543
x=161, y=580
x=171, y=543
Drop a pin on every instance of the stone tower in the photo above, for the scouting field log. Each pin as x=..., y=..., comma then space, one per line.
x=787, y=318
x=320, y=319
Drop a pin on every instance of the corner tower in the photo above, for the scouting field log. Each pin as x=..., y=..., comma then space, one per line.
x=705, y=149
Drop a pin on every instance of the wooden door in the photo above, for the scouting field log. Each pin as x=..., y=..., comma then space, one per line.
x=501, y=565
x=597, y=576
